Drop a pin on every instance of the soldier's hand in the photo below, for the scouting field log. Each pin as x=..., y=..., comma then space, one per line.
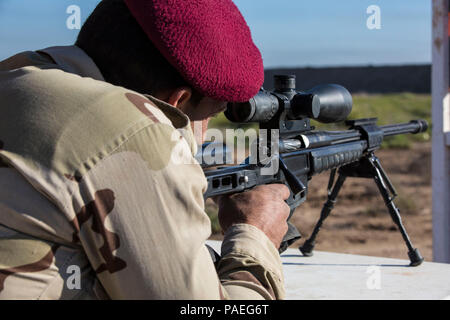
x=263, y=207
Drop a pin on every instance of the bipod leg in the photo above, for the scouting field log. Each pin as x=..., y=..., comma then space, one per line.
x=308, y=246
x=384, y=185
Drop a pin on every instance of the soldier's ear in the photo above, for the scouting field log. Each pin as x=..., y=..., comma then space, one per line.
x=180, y=97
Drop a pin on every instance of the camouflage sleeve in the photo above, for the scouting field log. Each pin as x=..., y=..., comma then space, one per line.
x=250, y=262
x=140, y=219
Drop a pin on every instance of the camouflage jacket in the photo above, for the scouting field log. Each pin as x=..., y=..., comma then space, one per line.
x=92, y=203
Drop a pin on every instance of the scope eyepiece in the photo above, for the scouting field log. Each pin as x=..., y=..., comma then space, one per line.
x=260, y=108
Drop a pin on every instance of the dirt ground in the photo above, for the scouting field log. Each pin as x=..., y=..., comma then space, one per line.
x=360, y=222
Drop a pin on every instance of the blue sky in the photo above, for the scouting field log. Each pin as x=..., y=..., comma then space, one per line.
x=289, y=33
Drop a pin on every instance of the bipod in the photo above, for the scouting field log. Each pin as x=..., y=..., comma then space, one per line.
x=367, y=167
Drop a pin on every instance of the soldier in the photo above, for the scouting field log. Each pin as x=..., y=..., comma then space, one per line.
x=93, y=204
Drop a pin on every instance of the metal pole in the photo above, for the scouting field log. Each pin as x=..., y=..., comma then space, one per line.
x=441, y=132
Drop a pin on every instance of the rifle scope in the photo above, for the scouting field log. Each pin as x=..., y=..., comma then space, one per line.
x=325, y=103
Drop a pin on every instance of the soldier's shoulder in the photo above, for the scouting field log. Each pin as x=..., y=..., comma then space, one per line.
x=67, y=123
x=26, y=58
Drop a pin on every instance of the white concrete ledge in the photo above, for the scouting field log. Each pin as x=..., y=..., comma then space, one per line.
x=344, y=276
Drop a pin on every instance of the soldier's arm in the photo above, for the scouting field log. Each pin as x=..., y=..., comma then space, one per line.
x=148, y=231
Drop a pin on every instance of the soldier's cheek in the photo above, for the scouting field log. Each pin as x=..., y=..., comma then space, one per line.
x=199, y=128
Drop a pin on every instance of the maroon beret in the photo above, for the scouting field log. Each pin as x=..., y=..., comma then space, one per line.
x=207, y=41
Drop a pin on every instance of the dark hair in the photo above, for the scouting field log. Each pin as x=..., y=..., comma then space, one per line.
x=124, y=54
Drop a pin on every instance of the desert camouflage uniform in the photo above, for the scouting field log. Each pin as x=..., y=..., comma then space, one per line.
x=88, y=178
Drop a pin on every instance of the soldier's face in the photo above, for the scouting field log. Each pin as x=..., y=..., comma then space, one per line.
x=200, y=115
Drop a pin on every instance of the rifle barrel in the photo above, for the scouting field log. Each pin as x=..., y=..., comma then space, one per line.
x=316, y=139
x=414, y=126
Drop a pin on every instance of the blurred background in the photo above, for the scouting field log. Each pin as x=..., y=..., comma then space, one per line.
x=382, y=57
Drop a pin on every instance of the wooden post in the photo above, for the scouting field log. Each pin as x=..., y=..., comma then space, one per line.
x=441, y=131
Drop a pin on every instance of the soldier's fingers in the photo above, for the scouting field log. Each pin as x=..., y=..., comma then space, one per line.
x=278, y=190
x=282, y=190
x=286, y=210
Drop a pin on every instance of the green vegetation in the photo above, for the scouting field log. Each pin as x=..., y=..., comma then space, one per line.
x=407, y=205
x=388, y=108
x=212, y=210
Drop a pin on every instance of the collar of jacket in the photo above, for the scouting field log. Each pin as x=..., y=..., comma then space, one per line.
x=72, y=59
